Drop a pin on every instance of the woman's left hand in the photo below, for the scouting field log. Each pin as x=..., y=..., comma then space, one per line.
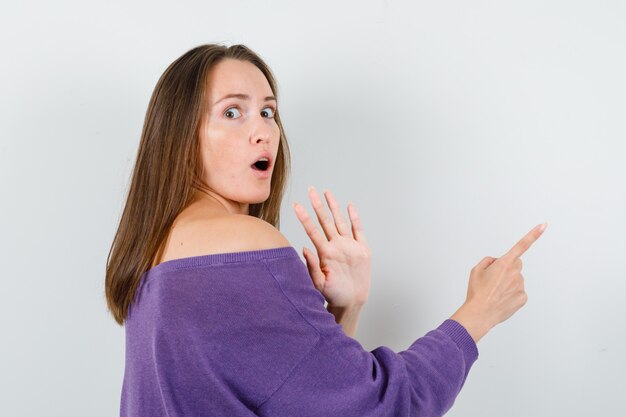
x=342, y=270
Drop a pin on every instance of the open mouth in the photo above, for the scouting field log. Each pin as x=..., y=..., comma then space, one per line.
x=261, y=165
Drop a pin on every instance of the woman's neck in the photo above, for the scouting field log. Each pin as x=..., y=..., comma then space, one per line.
x=214, y=201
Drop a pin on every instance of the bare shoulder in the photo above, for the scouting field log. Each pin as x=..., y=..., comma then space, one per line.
x=242, y=232
x=204, y=235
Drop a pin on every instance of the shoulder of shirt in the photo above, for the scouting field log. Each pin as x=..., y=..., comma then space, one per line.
x=222, y=234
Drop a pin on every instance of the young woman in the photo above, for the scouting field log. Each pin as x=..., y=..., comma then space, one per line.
x=222, y=318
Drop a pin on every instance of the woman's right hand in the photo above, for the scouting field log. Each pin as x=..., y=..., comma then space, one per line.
x=496, y=289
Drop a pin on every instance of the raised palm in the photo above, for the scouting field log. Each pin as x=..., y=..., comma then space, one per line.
x=342, y=270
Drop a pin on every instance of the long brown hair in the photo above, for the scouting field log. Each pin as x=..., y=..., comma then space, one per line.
x=169, y=169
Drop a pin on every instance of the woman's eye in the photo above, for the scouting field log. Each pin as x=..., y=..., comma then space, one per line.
x=271, y=111
x=231, y=110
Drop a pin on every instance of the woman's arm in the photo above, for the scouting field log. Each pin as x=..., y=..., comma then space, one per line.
x=348, y=317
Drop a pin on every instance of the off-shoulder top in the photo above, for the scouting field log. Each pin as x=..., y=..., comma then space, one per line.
x=247, y=334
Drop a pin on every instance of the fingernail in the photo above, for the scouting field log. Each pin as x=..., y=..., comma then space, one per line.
x=310, y=188
x=543, y=227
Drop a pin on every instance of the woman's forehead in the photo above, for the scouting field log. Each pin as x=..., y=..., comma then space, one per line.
x=236, y=77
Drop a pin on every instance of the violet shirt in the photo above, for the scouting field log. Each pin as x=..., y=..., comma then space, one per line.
x=247, y=334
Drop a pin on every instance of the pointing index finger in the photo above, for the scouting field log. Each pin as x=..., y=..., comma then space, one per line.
x=525, y=243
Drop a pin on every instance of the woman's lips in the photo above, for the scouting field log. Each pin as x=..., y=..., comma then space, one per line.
x=262, y=174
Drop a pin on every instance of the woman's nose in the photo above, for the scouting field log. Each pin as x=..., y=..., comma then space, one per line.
x=262, y=136
x=262, y=132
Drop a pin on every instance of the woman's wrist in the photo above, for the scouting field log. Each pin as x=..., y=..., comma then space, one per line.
x=472, y=320
x=347, y=317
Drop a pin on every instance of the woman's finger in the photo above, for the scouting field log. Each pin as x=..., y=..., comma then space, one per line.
x=327, y=224
x=342, y=226
x=313, y=265
x=309, y=227
x=484, y=263
x=525, y=243
x=357, y=231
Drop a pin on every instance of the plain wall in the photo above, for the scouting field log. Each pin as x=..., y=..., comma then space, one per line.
x=454, y=127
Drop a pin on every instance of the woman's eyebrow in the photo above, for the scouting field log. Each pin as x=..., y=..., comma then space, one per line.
x=243, y=97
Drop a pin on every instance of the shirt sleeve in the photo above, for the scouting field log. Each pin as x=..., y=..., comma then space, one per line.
x=338, y=377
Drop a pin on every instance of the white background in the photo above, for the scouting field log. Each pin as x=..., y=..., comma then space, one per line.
x=454, y=127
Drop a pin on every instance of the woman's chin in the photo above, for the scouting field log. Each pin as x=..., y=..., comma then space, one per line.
x=261, y=198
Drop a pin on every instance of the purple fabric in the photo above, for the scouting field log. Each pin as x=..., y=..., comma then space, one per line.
x=247, y=334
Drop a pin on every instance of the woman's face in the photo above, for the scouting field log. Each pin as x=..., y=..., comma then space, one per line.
x=236, y=132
